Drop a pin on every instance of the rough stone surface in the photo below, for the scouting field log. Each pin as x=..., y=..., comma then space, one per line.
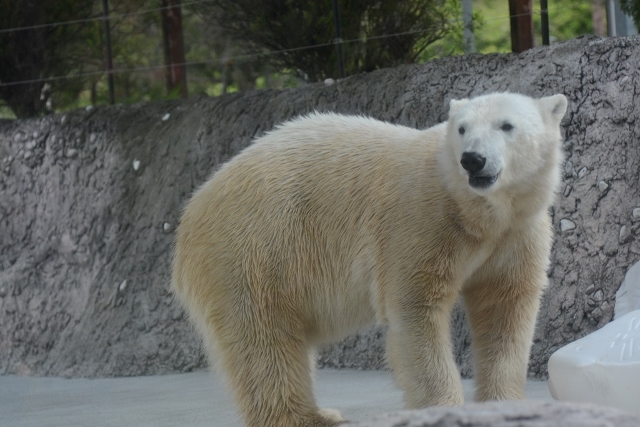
x=509, y=414
x=77, y=219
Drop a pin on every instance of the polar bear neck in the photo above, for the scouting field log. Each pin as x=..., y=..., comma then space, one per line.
x=483, y=216
x=507, y=208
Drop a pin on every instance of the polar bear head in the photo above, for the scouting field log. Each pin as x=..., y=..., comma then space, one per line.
x=502, y=140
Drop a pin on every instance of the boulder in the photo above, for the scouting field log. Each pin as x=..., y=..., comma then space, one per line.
x=603, y=367
x=508, y=414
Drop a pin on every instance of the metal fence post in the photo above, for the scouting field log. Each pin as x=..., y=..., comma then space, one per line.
x=544, y=21
x=338, y=41
x=107, y=35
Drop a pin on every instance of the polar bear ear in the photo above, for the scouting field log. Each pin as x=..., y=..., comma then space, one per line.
x=456, y=104
x=555, y=106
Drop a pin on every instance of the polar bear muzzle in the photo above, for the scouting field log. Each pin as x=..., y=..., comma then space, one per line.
x=473, y=163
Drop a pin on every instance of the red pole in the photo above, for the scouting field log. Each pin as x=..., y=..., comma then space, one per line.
x=174, y=46
x=521, y=25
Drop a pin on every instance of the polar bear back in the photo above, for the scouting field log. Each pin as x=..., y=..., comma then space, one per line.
x=325, y=184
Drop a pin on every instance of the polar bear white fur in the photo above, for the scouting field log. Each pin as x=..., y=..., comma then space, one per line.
x=331, y=222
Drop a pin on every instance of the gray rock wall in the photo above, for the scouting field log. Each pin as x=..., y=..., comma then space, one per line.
x=508, y=414
x=85, y=237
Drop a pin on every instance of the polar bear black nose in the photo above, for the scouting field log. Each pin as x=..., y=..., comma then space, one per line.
x=472, y=162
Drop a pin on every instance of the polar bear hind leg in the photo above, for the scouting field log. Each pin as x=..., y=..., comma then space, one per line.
x=268, y=365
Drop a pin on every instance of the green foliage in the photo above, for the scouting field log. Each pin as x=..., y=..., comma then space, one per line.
x=494, y=33
x=74, y=51
x=632, y=8
x=33, y=53
x=452, y=42
x=376, y=34
x=567, y=19
x=229, y=44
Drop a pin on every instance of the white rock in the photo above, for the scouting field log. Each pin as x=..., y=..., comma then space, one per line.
x=35, y=134
x=88, y=108
x=166, y=117
x=166, y=227
x=628, y=295
x=636, y=213
x=63, y=119
x=92, y=137
x=123, y=285
x=602, y=186
x=136, y=164
x=72, y=153
x=601, y=368
x=568, y=167
x=624, y=234
x=67, y=245
x=566, y=225
x=329, y=82
x=582, y=172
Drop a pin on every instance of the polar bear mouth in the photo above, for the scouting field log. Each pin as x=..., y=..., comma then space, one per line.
x=482, y=181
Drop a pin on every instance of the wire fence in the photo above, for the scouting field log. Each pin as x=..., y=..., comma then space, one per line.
x=211, y=61
x=101, y=17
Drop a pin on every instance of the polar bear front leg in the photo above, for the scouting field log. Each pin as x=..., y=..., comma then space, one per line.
x=502, y=308
x=420, y=355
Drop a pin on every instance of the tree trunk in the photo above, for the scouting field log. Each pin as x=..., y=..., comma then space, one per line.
x=24, y=99
x=173, y=47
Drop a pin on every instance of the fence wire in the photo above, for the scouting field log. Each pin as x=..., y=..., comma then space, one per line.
x=101, y=17
x=237, y=58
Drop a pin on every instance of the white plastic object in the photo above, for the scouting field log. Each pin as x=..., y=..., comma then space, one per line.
x=628, y=295
x=602, y=368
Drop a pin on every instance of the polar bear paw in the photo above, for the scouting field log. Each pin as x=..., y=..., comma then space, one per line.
x=329, y=417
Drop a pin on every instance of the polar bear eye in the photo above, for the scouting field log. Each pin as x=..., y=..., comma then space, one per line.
x=461, y=130
x=506, y=127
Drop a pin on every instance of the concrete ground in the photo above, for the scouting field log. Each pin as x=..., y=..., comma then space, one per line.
x=193, y=399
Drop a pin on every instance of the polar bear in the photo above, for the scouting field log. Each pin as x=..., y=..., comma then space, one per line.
x=331, y=222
